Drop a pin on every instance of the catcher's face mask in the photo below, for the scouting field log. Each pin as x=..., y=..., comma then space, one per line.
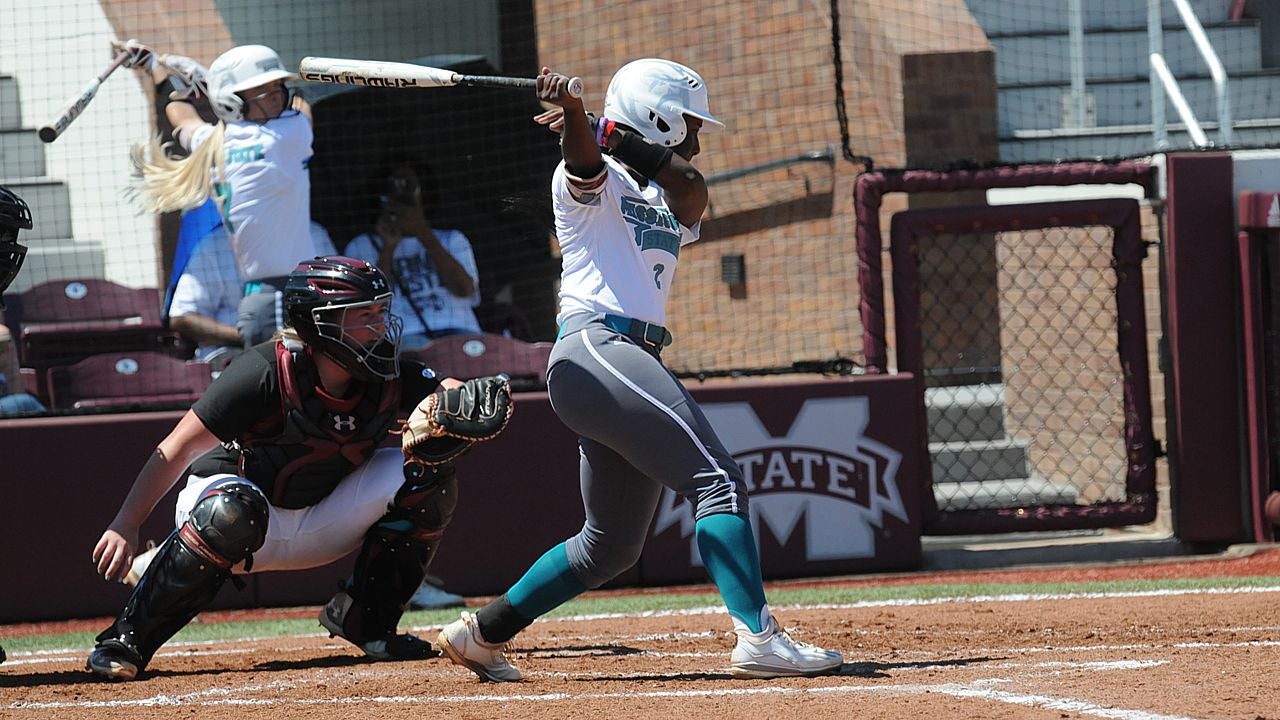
x=362, y=337
x=339, y=306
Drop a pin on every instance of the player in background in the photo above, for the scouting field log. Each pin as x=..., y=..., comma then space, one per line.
x=626, y=198
x=285, y=473
x=253, y=162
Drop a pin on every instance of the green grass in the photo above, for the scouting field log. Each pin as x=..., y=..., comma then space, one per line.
x=674, y=601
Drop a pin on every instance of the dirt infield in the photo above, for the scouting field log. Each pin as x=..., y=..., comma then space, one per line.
x=1135, y=656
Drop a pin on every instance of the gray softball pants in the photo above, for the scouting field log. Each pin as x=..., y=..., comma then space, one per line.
x=639, y=430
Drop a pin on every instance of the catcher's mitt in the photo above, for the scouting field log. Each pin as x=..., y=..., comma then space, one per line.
x=448, y=422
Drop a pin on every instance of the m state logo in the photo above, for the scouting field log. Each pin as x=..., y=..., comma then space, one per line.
x=824, y=471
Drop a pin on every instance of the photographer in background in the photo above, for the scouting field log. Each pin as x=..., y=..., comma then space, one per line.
x=433, y=269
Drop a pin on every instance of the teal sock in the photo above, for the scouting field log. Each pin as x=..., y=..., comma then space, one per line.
x=728, y=550
x=546, y=585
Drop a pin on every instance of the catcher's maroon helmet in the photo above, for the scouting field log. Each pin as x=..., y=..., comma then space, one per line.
x=14, y=216
x=318, y=295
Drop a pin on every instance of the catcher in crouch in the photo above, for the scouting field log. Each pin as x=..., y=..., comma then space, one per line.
x=284, y=472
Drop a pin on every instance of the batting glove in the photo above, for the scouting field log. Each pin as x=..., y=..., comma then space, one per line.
x=140, y=56
x=189, y=78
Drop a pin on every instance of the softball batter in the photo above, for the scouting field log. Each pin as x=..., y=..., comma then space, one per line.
x=253, y=162
x=626, y=200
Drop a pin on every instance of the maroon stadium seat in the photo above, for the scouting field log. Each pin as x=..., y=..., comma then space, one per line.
x=127, y=380
x=469, y=356
x=60, y=322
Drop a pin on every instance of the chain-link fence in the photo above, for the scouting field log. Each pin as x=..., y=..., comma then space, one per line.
x=1024, y=394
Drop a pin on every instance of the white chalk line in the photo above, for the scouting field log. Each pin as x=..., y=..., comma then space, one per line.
x=944, y=600
x=222, y=696
x=976, y=691
x=63, y=656
x=719, y=610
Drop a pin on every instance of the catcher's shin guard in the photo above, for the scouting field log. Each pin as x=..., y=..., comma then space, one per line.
x=396, y=552
x=226, y=526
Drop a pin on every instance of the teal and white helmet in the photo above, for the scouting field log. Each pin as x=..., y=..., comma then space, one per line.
x=652, y=96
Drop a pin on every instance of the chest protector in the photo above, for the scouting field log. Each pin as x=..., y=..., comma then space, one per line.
x=298, y=456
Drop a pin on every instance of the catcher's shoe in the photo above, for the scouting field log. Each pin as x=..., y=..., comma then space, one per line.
x=113, y=662
x=431, y=597
x=396, y=647
x=141, y=562
x=462, y=642
x=772, y=653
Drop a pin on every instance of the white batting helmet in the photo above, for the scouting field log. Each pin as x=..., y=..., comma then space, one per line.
x=238, y=69
x=652, y=96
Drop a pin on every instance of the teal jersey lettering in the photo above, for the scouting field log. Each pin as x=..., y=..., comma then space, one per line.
x=654, y=228
x=245, y=154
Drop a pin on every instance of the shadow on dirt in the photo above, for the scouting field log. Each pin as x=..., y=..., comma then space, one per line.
x=869, y=670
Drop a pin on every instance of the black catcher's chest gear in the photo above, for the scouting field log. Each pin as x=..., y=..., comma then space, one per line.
x=299, y=455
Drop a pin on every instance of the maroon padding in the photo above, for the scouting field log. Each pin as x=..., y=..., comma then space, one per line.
x=871, y=187
x=121, y=379
x=1253, y=331
x=469, y=356
x=1124, y=218
x=518, y=496
x=1208, y=481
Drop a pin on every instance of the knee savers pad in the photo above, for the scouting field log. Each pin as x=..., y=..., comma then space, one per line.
x=426, y=502
x=230, y=520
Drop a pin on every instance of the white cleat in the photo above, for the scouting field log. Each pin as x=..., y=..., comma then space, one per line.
x=772, y=653
x=462, y=642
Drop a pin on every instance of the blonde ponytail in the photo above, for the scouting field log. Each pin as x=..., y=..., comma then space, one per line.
x=165, y=184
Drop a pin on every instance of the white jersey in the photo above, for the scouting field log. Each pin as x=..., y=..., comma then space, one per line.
x=265, y=200
x=619, y=246
x=415, y=277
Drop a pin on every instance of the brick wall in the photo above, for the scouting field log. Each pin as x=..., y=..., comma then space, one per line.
x=768, y=66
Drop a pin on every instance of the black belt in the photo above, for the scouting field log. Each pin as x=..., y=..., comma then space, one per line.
x=650, y=334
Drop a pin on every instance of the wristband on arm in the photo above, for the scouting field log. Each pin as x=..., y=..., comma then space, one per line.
x=165, y=91
x=604, y=128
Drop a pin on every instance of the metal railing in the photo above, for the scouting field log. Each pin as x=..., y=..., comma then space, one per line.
x=1162, y=79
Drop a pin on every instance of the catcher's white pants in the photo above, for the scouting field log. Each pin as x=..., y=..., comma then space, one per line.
x=322, y=533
